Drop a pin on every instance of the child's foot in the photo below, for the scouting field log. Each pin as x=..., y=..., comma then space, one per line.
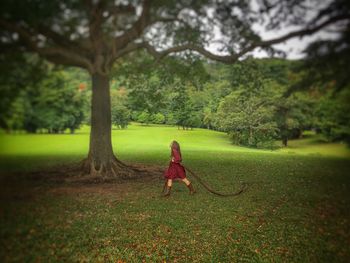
x=167, y=193
x=192, y=191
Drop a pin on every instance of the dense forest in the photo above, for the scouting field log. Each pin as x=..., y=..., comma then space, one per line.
x=256, y=101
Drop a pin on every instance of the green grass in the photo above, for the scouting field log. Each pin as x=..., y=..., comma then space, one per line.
x=296, y=208
x=148, y=144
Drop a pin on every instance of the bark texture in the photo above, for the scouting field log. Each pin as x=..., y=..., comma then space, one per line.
x=101, y=161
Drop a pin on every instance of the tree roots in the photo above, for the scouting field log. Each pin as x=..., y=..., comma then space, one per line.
x=110, y=169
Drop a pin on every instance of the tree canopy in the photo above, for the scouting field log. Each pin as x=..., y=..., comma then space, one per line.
x=94, y=34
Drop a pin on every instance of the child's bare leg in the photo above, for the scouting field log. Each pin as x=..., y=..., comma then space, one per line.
x=165, y=185
x=186, y=181
x=167, y=192
x=189, y=185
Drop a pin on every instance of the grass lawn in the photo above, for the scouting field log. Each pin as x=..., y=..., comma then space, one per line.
x=296, y=208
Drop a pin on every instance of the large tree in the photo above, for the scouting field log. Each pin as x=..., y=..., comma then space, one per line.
x=93, y=34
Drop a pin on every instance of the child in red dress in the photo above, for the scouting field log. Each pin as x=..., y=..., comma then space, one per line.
x=175, y=170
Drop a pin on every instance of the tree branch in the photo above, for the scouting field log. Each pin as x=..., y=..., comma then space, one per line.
x=137, y=28
x=95, y=14
x=60, y=40
x=229, y=59
x=12, y=47
x=297, y=33
x=128, y=49
x=29, y=41
x=24, y=34
x=121, y=9
x=169, y=20
x=60, y=54
x=158, y=55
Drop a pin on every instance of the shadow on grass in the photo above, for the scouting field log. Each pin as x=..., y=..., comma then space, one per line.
x=30, y=163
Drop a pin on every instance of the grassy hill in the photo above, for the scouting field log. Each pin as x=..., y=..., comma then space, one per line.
x=296, y=208
x=149, y=144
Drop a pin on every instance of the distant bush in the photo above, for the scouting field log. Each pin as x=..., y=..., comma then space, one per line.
x=119, y=112
x=120, y=116
x=170, y=119
x=144, y=117
x=157, y=118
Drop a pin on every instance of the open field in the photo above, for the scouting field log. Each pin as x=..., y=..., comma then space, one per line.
x=296, y=208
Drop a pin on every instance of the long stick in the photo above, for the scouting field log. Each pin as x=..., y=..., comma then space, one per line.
x=211, y=190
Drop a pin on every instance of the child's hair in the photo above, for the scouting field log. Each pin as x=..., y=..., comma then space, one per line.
x=176, y=146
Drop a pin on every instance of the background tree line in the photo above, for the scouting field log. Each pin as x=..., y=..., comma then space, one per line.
x=41, y=97
x=256, y=101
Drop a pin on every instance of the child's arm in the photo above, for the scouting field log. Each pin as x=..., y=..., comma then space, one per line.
x=176, y=156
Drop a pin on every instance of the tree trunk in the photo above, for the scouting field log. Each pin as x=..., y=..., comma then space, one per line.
x=285, y=141
x=250, y=139
x=101, y=160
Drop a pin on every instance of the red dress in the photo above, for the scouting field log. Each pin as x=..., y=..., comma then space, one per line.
x=175, y=169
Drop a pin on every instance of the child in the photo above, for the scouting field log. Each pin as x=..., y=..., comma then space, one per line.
x=175, y=170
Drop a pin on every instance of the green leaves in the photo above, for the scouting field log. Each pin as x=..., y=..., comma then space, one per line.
x=247, y=113
x=120, y=113
x=332, y=116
